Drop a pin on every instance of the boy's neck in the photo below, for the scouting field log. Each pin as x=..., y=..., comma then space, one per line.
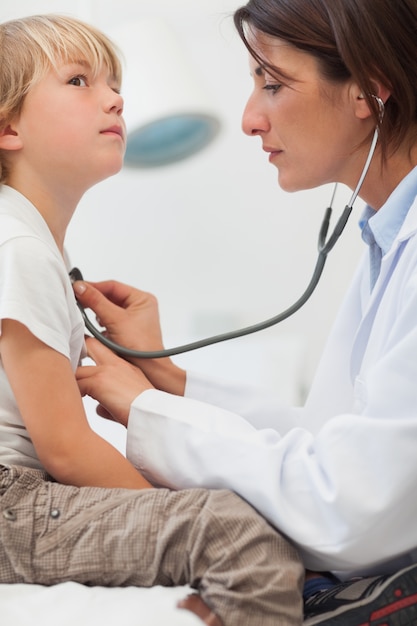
x=55, y=206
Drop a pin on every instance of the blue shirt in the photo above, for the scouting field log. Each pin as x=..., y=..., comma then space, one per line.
x=379, y=228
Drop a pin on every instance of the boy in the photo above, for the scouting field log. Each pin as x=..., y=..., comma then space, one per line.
x=66, y=494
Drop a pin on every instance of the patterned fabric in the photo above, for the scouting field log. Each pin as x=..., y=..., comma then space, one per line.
x=244, y=570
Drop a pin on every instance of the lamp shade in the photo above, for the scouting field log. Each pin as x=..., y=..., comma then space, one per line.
x=167, y=112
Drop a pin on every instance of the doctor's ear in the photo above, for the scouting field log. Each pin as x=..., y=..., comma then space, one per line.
x=9, y=139
x=363, y=110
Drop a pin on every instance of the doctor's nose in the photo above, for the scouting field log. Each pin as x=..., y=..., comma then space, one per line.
x=254, y=121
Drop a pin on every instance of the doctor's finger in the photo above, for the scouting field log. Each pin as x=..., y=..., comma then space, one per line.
x=119, y=293
x=96, y=381
x=92, y=298
x=103, y=412
x=100, y=353
x=127, y=297
x=88, y=379
x=83, y=374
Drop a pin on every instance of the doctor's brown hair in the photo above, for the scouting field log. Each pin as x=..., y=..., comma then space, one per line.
x=31, y=46
x=363, y=40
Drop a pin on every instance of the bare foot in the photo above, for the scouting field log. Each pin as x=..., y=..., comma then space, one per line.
x=196, y=605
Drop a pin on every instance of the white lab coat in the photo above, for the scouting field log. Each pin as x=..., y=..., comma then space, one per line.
x=339, y=475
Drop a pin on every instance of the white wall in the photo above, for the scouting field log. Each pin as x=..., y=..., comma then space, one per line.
x=213, y=236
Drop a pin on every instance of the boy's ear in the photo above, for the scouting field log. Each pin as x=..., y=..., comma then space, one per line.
x=9, y=139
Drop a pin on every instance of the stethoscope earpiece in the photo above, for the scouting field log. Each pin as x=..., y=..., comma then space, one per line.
x=380, y=102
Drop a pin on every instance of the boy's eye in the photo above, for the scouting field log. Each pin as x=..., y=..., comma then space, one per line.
x=78, y=81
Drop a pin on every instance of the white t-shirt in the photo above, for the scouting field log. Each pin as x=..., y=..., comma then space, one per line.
x=35, y=290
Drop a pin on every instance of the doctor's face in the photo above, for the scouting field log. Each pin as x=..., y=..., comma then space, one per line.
x=308, y=125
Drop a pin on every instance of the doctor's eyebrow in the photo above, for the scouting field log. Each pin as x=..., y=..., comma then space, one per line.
x=272, y=70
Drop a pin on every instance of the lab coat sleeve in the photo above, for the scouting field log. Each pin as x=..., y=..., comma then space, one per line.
x=341, y=482
x=318, y=490
x=340, y=486
x=260, y=407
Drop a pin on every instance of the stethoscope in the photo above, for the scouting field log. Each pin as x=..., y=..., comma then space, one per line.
x=324, y=247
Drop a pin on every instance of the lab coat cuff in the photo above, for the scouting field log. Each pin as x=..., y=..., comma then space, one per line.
x=163, y=428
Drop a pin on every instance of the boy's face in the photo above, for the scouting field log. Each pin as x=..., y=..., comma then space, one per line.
x=71, y=127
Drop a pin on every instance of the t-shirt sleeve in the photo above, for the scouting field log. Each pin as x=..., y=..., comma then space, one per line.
x=33, y=290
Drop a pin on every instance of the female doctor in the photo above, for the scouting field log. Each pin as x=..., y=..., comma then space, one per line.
x=338, y=476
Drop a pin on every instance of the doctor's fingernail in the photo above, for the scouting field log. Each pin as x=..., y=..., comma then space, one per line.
x=79, y=287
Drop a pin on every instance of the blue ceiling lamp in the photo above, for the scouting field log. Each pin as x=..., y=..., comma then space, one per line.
x=167, y=113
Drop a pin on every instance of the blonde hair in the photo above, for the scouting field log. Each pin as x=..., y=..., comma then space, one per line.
x=31, y=46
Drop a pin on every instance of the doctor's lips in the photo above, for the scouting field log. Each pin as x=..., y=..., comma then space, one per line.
x=273, y=152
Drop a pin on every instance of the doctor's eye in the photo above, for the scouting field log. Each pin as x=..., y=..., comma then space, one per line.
x=78, y=81
x=273, y=87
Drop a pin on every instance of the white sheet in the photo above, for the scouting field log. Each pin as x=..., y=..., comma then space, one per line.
x=71, y=604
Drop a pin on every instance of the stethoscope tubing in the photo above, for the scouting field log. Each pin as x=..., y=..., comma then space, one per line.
x=195, y=345
x=324, y=247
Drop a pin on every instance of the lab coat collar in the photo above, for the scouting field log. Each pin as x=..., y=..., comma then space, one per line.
x=386, y=223
x=407, y=229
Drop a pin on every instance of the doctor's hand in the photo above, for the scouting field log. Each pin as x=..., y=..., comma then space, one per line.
x=131, y=318
x=112, y=381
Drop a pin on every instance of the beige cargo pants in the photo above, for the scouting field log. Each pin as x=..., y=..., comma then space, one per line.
x=212, y=540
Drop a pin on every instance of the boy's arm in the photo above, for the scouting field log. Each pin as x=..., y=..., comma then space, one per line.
x=51, y=407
